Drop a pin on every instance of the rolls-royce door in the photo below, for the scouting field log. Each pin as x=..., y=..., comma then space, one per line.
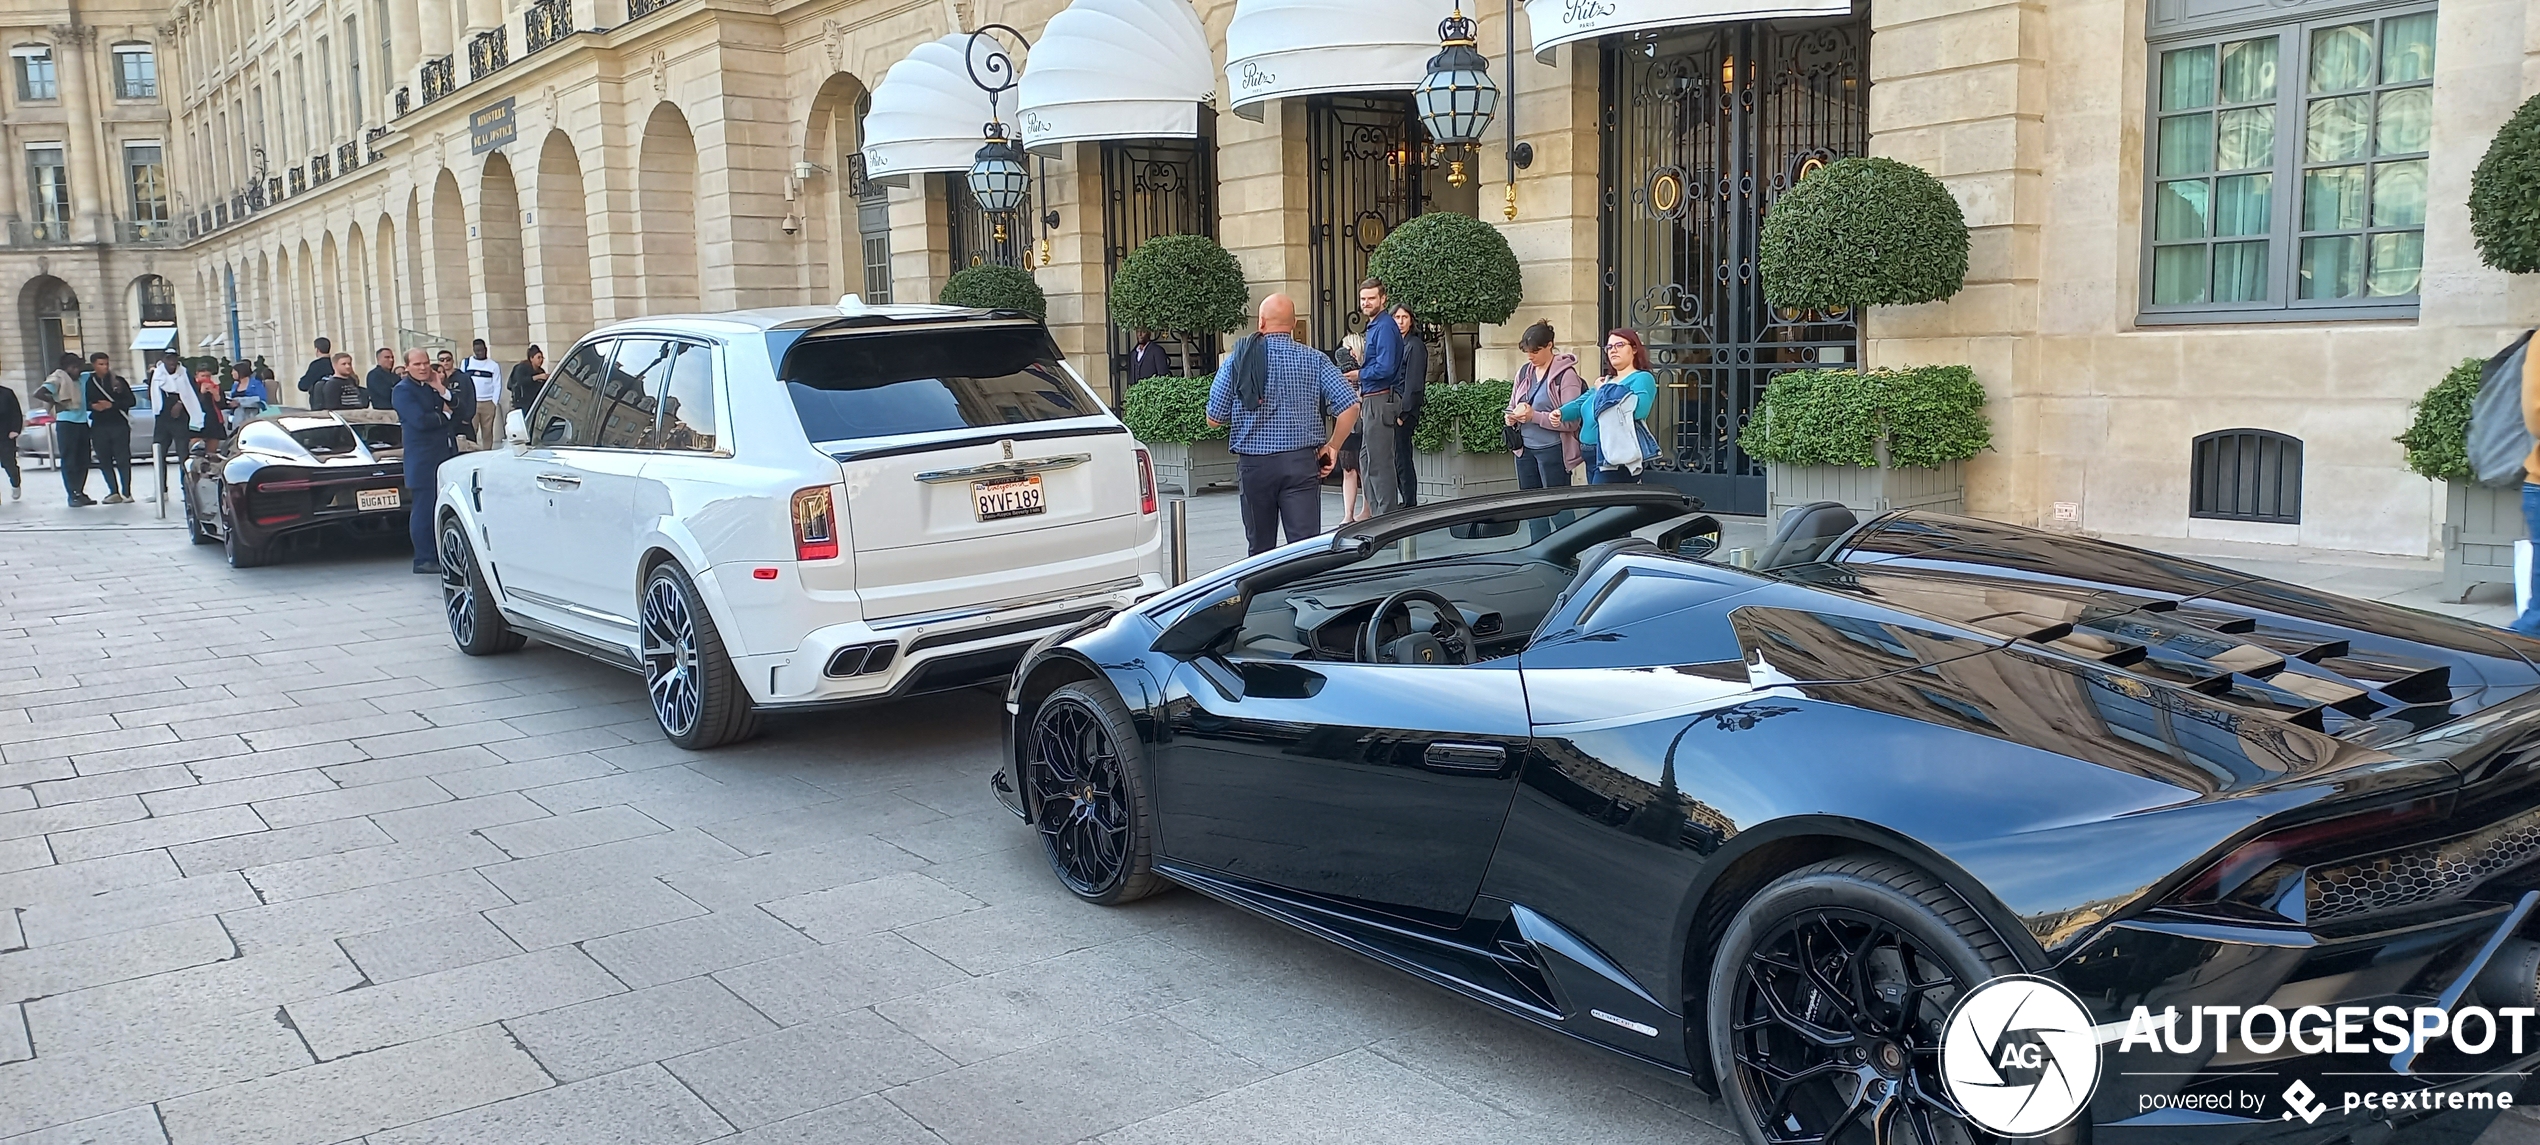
x=516, y=482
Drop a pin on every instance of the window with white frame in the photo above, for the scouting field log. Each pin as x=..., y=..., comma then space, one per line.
x=2287, y=174
x=50, y=180
x=353, y=59
x=326, y=100
x=34, y=65
x=136, y=72
x=146, y=180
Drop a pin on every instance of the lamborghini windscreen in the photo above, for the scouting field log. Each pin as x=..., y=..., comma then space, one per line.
x=888, y=383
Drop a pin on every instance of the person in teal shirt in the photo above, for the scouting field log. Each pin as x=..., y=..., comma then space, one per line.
x=1626, y=362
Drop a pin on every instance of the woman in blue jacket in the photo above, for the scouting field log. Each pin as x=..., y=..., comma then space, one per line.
x=1627, y=378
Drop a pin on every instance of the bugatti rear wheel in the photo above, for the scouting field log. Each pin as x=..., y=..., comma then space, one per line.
x=1085, y=779
x=1827, y=999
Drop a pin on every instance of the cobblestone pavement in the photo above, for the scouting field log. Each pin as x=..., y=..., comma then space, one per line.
x=277, y=865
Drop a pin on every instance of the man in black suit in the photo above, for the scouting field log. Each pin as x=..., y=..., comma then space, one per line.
x=382, y=379
x=323, y=366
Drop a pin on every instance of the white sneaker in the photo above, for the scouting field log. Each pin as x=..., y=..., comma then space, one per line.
x=117, y=499
x=15, y=492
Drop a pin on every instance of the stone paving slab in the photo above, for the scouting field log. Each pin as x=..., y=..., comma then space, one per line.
x=311, y=876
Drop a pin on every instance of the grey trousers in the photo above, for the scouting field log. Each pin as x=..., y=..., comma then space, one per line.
x=1377, y=449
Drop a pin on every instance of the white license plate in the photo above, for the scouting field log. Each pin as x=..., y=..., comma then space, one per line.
x=368, y=500
x=1016, y=498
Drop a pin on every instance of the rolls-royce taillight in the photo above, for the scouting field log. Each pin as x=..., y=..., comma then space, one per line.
x=1146, y=482
x=815, y=526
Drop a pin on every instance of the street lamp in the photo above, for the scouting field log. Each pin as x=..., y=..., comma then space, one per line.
x=998, y=179
x=1456, y=99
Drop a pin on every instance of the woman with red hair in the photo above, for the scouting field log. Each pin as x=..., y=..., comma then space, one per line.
x=1611, y=418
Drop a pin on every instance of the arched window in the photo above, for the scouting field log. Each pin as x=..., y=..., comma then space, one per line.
x=2246, y=475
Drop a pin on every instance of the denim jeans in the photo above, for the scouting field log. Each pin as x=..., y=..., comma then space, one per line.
x=1599, y=475
x=2529, y=622
x=1542, y=467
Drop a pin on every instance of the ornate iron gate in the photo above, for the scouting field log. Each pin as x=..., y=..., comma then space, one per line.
x=973, y=232
x=1703, y=129
x=1149, y=190
x=1367, y=169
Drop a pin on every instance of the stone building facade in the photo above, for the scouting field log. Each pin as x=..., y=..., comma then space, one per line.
x=2200, y=226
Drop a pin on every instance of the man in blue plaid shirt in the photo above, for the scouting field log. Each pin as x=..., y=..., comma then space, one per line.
x=1276, y=394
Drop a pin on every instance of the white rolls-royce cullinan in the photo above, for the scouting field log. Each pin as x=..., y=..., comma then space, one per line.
x=802, y=507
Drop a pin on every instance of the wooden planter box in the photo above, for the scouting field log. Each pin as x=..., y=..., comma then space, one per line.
x=1866, y=490
x=1191, y=469
x=2480, y=526
x=1448, y=476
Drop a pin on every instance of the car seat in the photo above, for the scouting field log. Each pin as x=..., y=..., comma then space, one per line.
x=1805, y=533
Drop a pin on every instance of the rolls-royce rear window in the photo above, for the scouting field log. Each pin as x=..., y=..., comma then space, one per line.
x=887, y=383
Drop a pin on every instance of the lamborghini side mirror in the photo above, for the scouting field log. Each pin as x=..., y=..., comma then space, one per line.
x=1698, y=538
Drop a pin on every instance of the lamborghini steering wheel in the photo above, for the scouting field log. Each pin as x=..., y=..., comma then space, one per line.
x=1416, y=646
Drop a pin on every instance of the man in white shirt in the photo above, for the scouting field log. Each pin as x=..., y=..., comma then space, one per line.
x=488, y=379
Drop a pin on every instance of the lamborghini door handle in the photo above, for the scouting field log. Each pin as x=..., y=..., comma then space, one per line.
x=1465, y=758
x=559, y=481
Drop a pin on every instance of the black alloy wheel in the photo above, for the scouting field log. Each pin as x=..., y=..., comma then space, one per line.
x=688, y=678
x=1827, y=1002
x=1085, y=778
x=241, y=554
x=476, y=625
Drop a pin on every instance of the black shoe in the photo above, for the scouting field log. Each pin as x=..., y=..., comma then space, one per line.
x=83, y=500
x=432, y=569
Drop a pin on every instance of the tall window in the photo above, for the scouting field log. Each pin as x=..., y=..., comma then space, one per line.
x=146, y=176
x=2288, y=169
x=136, y=72
x=35, y=73
x=300, y=99
x=387, y=54
x=50, y=179
x=353, y=59
x=326, y=94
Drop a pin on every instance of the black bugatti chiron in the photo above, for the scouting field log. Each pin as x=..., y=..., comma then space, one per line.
x=293, y=474
x=1764, y=826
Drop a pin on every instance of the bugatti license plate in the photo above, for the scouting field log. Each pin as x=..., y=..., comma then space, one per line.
x=372, y=500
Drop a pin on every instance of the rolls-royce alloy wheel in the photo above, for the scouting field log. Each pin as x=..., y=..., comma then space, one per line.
x=1085, y=779
x=475, y=623
x=688, y=677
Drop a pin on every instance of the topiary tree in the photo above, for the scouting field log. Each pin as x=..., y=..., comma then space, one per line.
x=1863, y=232
x=1185, y=285
x=1450, y=270
x=996, y=288
x=2437, y=442
x=2504, y=195
x=1925, y=417
x=1170, y=411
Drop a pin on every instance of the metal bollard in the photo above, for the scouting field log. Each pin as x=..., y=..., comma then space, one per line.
x=159, y=461
x=1177, y=518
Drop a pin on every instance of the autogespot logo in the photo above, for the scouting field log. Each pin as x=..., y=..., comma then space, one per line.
x=2020, y=1056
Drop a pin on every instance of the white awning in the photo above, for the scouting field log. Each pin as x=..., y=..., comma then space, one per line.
x=154, y=338
x=1558, y=22
x=1117, y=69
x=926, y=113
x=1278, y=48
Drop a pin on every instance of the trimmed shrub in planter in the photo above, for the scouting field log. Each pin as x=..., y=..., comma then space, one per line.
x=1456, y=449
x=1450, y=269
x=1170, y=417
x=1863, y=232
x=1180, y=284
x=1885, y=439
x=2480, y=524
x=2504, y=195
x=996, y=288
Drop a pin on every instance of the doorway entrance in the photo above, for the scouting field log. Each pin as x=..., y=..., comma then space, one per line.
x=1703, y=129
x=1151, y=189
x=1367, y=181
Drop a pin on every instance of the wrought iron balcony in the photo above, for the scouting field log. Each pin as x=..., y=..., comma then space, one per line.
x=273, y=189
x=299, y=180
x=238, y=205
x=547, y=22
x=440, y=78
x=488, y=53
x=404, y=100
x=856, y=177
x=348, y=155
x=145, y=231
x=636, y=8
x=320, y=170
x=256, y=195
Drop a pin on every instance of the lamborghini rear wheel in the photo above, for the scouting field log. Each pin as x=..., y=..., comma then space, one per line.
x=1085, y=779
x=1827, y=998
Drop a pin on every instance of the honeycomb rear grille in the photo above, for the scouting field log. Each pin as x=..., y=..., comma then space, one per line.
x=2423, y=874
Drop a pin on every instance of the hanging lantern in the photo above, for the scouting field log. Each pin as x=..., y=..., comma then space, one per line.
x=997, y=177
x=1456, y=99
